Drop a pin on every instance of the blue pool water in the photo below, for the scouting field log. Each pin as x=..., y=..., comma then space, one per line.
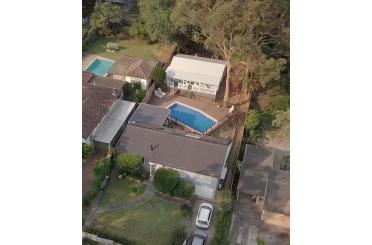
x=191, y=118
x=100, y=67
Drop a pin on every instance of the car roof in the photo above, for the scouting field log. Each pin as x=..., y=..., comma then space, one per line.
x=197, y=240
x=204, y=213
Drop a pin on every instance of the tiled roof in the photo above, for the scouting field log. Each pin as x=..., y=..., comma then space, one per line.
x=96, y=103
x=86, y=76
x=133, y=67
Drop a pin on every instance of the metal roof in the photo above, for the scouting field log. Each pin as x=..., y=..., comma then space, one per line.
x=113, y=121
x=196, y=69
x=150, y=114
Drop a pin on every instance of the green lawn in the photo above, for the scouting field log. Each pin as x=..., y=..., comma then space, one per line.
x=150, y=223
x=132, y=47
x=122, y=190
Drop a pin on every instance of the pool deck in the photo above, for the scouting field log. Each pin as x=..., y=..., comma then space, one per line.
x=89, y=58
x=208, y=108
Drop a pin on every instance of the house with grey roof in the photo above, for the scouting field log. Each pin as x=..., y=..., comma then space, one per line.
x=265, y=179
x=132, y=70
x=104, y=115
x=198, y=158
x=198, y=75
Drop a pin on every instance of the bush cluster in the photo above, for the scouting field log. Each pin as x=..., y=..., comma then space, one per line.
x=107, y=235
x=130, y=164
x=168, y=181
x=158, y=75
x=133, y=92
x=223, y=223
x=279, y=103
x=87, y=149
x=100, y=171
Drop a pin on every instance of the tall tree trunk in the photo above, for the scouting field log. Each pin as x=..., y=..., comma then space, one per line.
x=227, y=87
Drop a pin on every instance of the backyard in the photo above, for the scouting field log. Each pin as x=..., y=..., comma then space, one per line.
x=150, y=223
x=121, y=191
x=132, y=47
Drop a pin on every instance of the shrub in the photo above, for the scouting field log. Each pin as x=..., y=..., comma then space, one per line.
x=139, y=94
x=130, y=164
x=138, y=29
x=179, y=235
x=260, y=241
x=165, y=180
x=136, y=85
x=183, y=189
x=87, y=149
x=253, y=120
x=223, y=223
x=158, y=75
x=279, y=103
x=127, y=90
x=186, y=210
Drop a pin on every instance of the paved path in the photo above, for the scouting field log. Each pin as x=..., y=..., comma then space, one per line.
x=95, y=209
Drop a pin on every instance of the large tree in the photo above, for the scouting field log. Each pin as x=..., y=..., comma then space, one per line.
x=103, y=15
x=155, y=14
x=253, y=52
x=216, y=23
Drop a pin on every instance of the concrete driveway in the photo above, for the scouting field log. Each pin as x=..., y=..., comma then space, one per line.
x=211, y=229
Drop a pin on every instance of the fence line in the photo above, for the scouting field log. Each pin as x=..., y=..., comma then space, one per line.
x=148, y=95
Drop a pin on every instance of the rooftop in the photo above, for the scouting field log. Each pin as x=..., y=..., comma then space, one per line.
x=181, y=151
x=260, y=175
x=86, y=76
x=133, y=67
x=197, y=69
x=114, y=121
x=97, y=101
x=149, y=114
x=107, y=82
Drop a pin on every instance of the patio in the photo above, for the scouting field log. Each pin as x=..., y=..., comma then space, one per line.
x=209, y=108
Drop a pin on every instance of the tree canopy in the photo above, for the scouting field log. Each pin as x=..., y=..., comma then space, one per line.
x=103, y=15
x=155, y=17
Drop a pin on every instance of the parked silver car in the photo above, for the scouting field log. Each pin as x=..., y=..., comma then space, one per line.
x=199, y=238
x=204, y=216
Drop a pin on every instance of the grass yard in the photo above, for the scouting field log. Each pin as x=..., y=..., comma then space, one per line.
x=132, y=47
x=122, y=190
x=150, y=223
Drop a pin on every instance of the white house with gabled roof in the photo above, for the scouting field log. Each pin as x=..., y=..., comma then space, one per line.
x=199, y=75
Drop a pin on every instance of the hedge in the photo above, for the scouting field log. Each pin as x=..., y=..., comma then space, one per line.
x=165, y=180
x=223, y=224
x=183, y=188
x=130, y=164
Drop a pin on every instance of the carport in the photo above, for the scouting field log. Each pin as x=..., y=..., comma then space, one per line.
x=112, y=126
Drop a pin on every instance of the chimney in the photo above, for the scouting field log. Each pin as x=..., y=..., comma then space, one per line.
x=151, y=147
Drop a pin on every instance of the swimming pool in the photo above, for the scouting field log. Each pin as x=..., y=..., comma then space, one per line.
x=191, y=118
x=100, y=67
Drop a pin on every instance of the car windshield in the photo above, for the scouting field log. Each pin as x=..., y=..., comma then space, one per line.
x=198, y=240
x=204, y=214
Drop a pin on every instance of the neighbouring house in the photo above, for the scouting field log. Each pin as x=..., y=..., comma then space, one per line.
x=263, y=181
x=199, y=75
x=131, y=69
x=104, y=116
x=200, y=159
x=107, y=82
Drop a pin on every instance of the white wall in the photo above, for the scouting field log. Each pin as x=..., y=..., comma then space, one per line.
x=144, y=82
